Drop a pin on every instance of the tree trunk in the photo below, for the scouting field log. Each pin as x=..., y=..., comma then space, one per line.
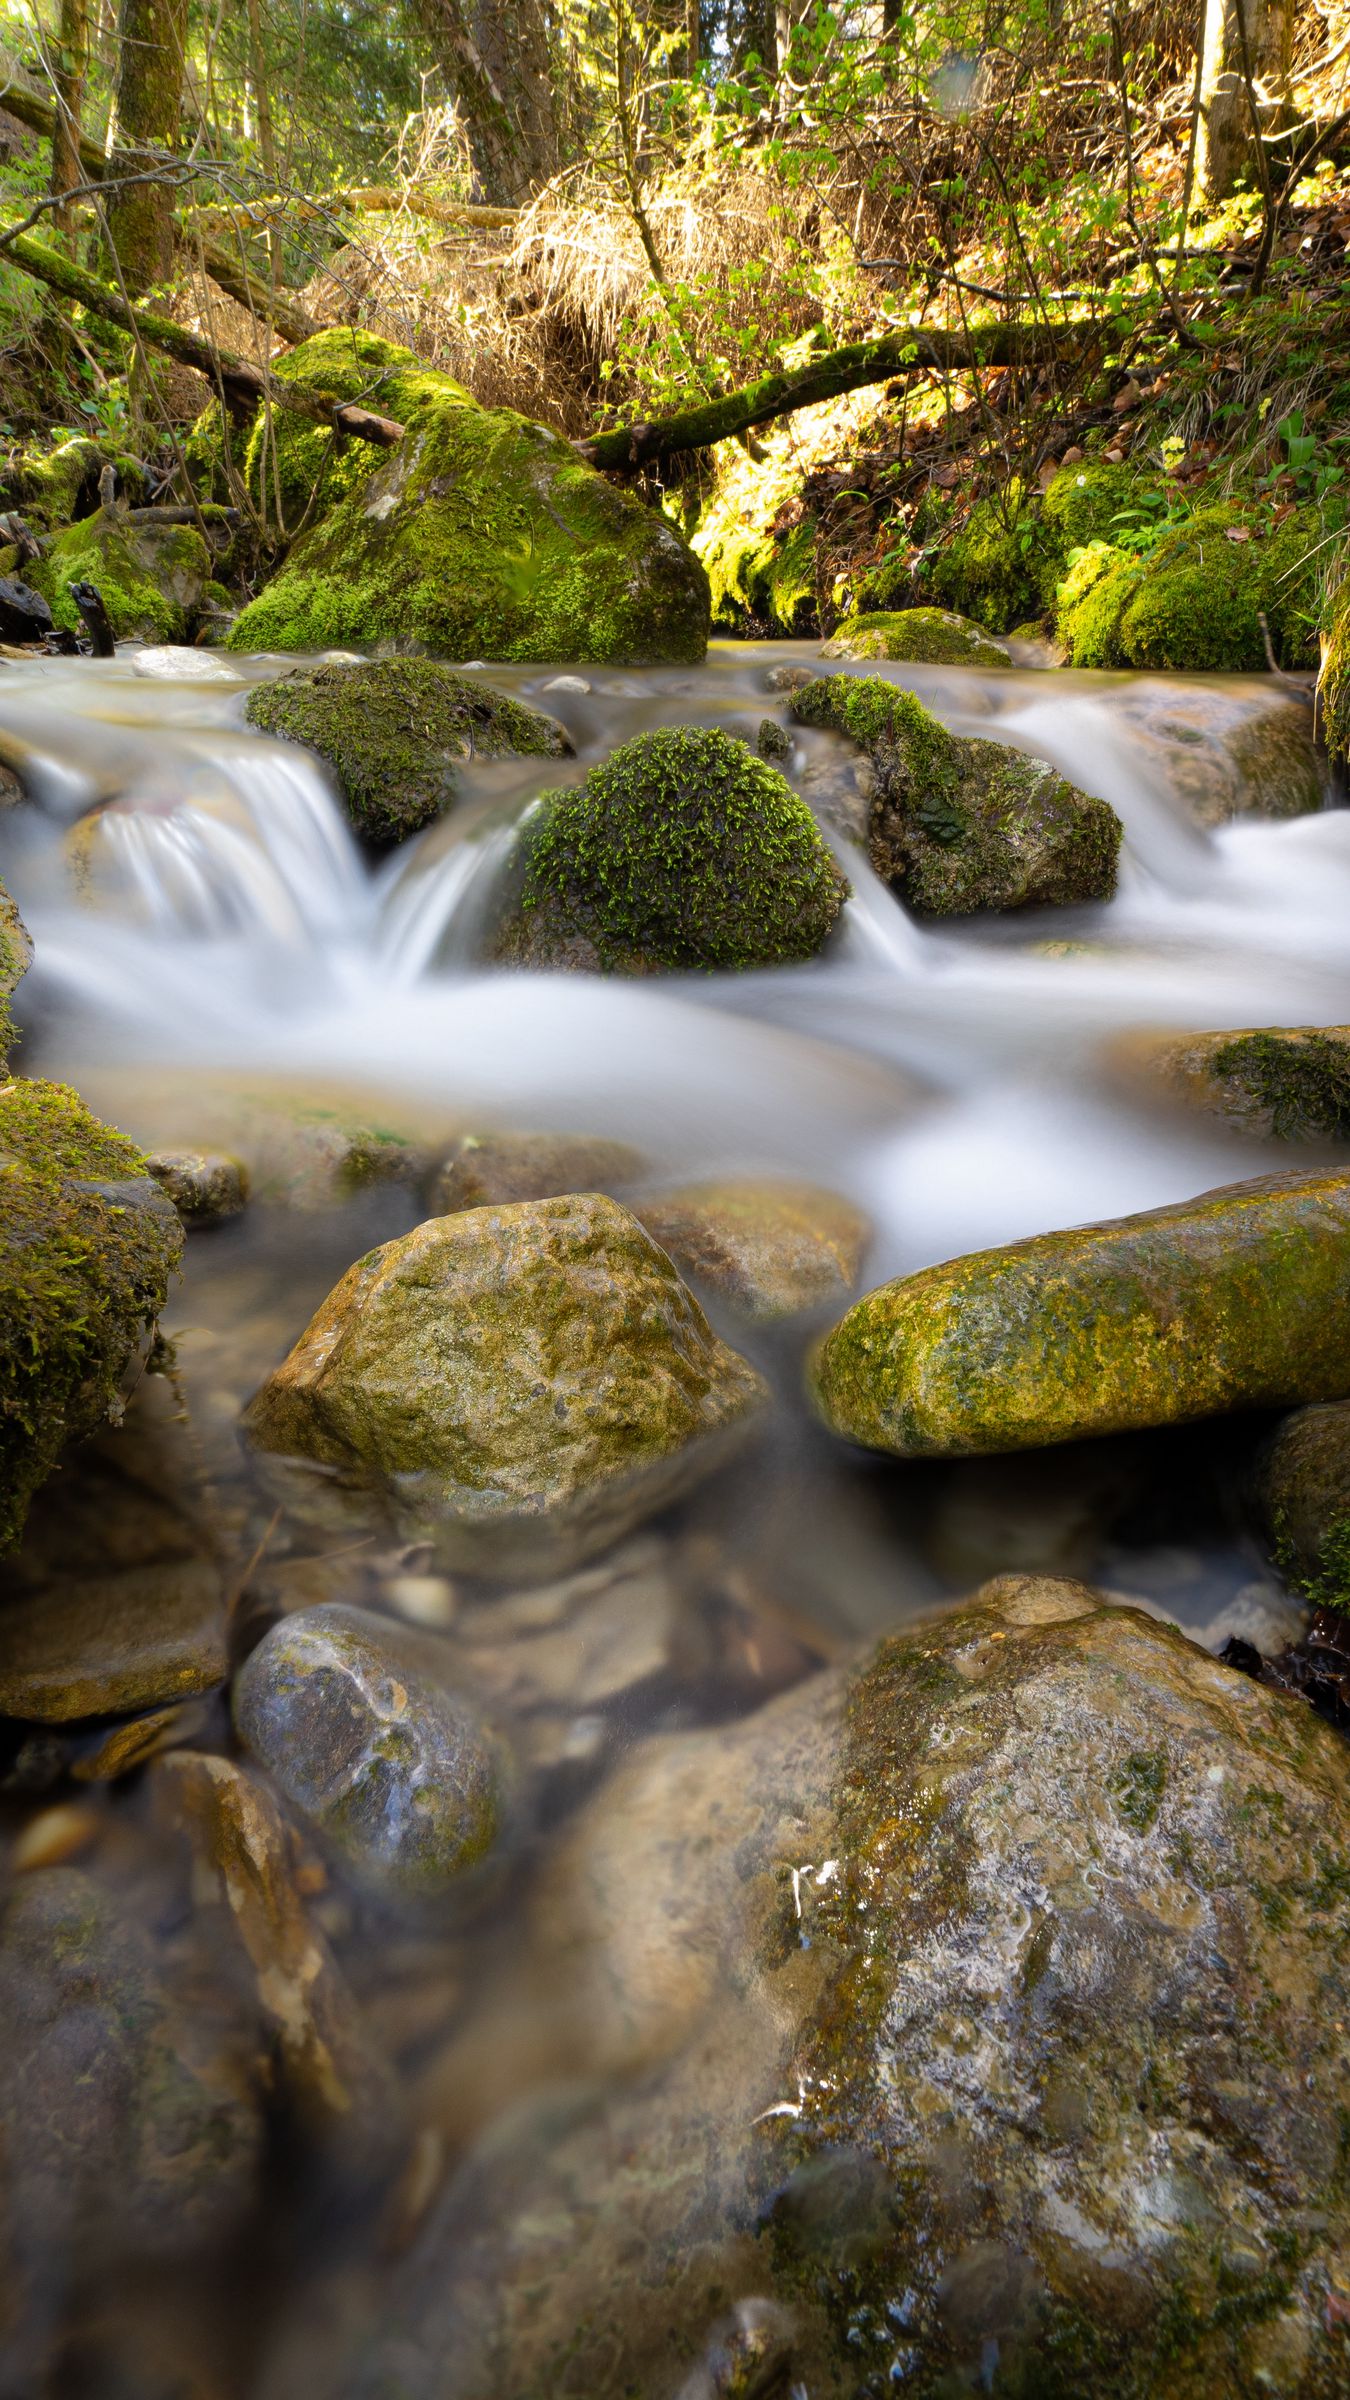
x=72, y=58
x=497, y=61
x=1244, y=90
x=152, y=36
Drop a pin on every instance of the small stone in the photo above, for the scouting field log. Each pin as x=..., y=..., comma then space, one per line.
x=53, y=1837
x=422, y=1599
x=787, y=678
x=205, y=1186
x=773, y=740
x=1277, y=1082
x=770, y=1250
x=113, y=1644
x=346, y=1713
x=567, y=683
x=486, y=1168
x=172, y=662
x=925, y=636
x=125, y=1747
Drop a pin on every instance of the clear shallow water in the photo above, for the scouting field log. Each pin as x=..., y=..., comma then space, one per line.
x=952, y=1079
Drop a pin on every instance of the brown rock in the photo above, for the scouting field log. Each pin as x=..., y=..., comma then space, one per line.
x=769, y=1249
x=487, y=1168
x=114, y=1644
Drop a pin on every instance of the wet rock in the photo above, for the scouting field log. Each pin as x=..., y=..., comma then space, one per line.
x=958, y=825
x=527, y=1382
x=117, y=1643
x=395, y=732
x=1278, y=1082
x=1303, y=1491
x=131, y=2118
x=152, y=579
x=398, y=1774
x=24, y=613
x=682, y=850
x=788, y=678
x=769, y=1249
x=205, y=1186
x=928, y=636
x=1226, y=754
x=1007, y=1999
x=490, y=1168
x=773, y=740
x=88, y=1246
x=137, y=1740
x=1236, y=1299
x=16, y=957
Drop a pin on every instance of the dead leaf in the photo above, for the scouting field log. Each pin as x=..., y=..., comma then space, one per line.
x=1238, y=533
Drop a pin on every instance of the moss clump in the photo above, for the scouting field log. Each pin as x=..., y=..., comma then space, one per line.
x=928, y=636
x=1302, y=1079
x=995, y=567
x=958, y=825
x=16, y=956
x=1303, y=1497
x=1086, y=503
x=1334, y=684
x=52, y=487
x=151, y=578
x=394, y=731
x=1195, y=602
x=87, y=1248
x=479, y=535
x=761, y=566
x=682, y=850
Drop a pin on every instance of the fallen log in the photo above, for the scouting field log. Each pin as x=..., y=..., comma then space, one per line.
x=242, y=383
x=915, y=350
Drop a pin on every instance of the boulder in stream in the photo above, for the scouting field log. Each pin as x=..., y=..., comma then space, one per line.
x=1229, y=751
x=1303, y=1491
x=1237, y=1299
x=957, y=825
x=491, y=1167
x=16, y=957
x=88, y=1246
x=770, y=1249
x=152, y=579
x=394, y=732
x=926, y=636
x=525, y=1383
x=479, y=535
x=1286, y=1083
x=681, y=850
x=992, y=2007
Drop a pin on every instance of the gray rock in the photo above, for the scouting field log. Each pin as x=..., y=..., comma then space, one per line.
x=487, y=1168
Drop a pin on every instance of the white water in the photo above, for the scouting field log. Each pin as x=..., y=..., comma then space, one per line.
x=952, y=1077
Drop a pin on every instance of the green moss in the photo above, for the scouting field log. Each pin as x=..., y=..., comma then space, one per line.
x=1303, y=1080
x=1085, y=504
x=150, y=578
x=394, y=730
x=1334, y=682
x=994, y=569
x=87, y=1248
x=16, y=956
x=49, y=487
x=479, y=535
x=1194, y=603
x=682, y=850
x=928, y=636
x=1137, y=1787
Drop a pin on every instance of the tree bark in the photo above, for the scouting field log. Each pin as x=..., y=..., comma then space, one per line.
x=627, y=449
x=1243, y=39
x=152, y=36
x=497, y=61
x=72, y=58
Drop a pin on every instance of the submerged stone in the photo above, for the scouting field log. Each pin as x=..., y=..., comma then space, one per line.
x=1303, y=1489
x=928, y=636
x=395, y=731
x=957, y=825
x=152, y=579
x=205, y=1186
x=1280, y=1082
x=524, y=1383
x=682, y=850
x=1237, y=1299
x=480, y=535
x=485, y=1168
x=347, y=1714
x=1000, y=1997
x=88, y=1245
x=1228, y=753
x=769, y=1249
x=114, y=1643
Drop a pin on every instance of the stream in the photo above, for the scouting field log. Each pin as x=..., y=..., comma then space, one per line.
x=214, y=951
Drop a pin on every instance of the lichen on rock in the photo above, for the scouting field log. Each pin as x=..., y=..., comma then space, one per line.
x=958, y=825
x=928, y=636
x=681, y=850
x=395, y=730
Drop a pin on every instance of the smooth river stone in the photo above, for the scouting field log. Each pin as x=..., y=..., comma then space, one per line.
x=113, y=1644
x=205, y=1186
x=487, y=1169
x=525, y=1383
x=769, y=1249
x=1237, y=1299
x=398, y=1774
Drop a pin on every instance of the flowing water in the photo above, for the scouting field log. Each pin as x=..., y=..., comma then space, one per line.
x=214, y=951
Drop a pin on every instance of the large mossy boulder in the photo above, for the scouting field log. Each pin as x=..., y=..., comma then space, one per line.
x=681, y=850
x=152, y=578
x=1303, y=1492
x=1283, y=1083
x=926, y=636
x=523, y=1383
x=88, y=1246
x=1003, y=565
x=395, y=731
x=957, y=825
x=1237, y=1299
x=480, y=535
x=1195, y=600
x=1006, y=1986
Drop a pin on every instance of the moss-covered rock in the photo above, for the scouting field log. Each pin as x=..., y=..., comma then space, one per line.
x=1333, y=690
x=1195, y=600
x=769, y=1249
x=682, y=850
x=929, y=636
x=152, y=578
x=88, y=1245
x=1237, y=1299
x=1007, y=1994
x=485, y=1169
x=51, y=487
x=16, y=957
x=1303, y=1490
x=994, y=569
x=1228, y=753
x=349, y=1715
x=394, y=730
x=758, y=547
x=1282, y=1083
x=958, y=825
x=480, y=535
x=524, y=1382
x=206, y=1186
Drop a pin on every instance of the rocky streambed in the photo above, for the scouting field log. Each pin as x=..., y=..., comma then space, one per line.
x=673, y=1663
